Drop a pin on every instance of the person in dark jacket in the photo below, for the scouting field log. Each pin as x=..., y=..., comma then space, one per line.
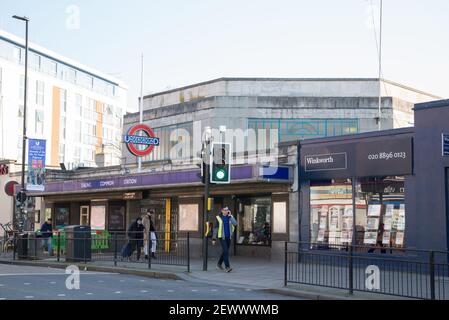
x=47, y=234
x=225, y=225
x=135, y=235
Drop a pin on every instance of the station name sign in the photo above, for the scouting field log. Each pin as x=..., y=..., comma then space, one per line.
x=367, y=158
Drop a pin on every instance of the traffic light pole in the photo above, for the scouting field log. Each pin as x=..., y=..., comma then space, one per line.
x=205, y=212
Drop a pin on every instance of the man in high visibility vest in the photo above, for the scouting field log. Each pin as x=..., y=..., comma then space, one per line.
x=225, y=225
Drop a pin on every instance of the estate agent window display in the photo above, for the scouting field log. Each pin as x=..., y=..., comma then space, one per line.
x=379, y=216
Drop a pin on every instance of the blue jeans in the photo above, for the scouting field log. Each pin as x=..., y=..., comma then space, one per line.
x=48, y=242
x=225, y=244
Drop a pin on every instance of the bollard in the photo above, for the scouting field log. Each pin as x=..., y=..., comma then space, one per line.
x=115, y=249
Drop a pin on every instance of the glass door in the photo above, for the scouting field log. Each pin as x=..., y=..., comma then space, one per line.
x=84, y=216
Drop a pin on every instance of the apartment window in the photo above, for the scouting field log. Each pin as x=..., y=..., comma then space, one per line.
x=63, y=100
x=36, y=62
x=79, y=104
x=61, y=153
x=49, y=67
x=39, y=122
x=78, y=130
x=77, y=155
x=62, y=128
x=84, y=80
x=39, y=93
x=69, y=75
x=17, y=54
x=89, y=155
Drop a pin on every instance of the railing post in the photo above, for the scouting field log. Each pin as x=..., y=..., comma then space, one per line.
x=14, y=241
x=351, y=270
x=115, y=249
x=149, y=244
x=285, y=262
x=188, y=251
x=84, y=248
x=432, y=275
x=58, y=246
x=35, y=248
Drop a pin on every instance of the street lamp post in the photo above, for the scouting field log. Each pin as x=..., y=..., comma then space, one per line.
x=206, y=158
x=24, y=137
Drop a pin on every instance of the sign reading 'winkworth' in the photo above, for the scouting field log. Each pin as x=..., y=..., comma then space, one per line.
x=332, y=161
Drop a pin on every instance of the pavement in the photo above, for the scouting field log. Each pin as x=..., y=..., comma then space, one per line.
x=253, y=274
x=40, y=283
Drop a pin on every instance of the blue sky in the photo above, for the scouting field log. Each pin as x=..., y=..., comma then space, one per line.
x=189, y=41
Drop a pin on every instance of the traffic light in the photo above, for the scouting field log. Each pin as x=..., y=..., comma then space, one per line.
x=220, y=166
x=21, y=197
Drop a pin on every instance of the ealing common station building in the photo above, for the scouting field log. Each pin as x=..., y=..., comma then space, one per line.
x=337, y=181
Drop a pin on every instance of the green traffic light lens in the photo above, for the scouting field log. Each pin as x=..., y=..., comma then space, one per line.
x=220, y=174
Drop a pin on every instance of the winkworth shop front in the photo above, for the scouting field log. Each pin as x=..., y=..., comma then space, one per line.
x=383, y=189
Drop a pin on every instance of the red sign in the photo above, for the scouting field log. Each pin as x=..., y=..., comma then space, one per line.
x=4, y=169
x=9, y=188
x=148, y=139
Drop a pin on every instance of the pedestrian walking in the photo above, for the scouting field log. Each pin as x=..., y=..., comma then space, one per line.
x=150, y=231
x=47, y=235
x=135, y=235
x=224, y=227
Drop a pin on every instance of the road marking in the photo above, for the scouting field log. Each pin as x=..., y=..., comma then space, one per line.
x=29, y=297
x=52, y=282
x=27, y=283
x=2, y=298
x=89, y=294
x=118, y=292
x=2, y=285
x=194, y=290
x=248, y=290
x=53, y=274
x=61, y=295
x=122, y=280
x=170, y=290
x=231, y=289
x=142, y=280
x=143, y=291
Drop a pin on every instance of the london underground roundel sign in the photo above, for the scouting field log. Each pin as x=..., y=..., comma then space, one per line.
x=146, y=138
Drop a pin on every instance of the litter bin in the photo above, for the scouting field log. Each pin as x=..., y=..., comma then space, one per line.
x=78, y=243
x=22, y=246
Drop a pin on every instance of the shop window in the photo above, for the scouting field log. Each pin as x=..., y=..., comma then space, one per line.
x=280, y=217
x=98, y=217
x=116, y=217
x=62, y=215
x=331, y=216
x=380, y=213
x=188, y=217
x=254, y=220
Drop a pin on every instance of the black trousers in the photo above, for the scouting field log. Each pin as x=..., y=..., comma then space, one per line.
x=225, y=244
x=136, y=245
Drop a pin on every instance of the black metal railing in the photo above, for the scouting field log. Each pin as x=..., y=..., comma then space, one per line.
x=116, y=247
x=400, y=272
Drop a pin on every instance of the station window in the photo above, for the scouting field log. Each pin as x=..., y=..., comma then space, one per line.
x=254, y=220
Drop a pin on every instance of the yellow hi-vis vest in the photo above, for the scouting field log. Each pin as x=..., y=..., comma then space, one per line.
x=220, y=234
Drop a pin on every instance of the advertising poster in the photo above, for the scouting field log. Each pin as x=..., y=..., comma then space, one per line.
x=98, y=218
x=372, y=224
x=346, y=236
x=347, y=223
x=370, y=237
x=399, y=238
x=387, y=223
x=386, y=238
x=374, y=210
x=321, y=235
x=36, y=165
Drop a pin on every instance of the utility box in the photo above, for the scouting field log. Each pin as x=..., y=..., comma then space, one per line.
x=78, y=241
